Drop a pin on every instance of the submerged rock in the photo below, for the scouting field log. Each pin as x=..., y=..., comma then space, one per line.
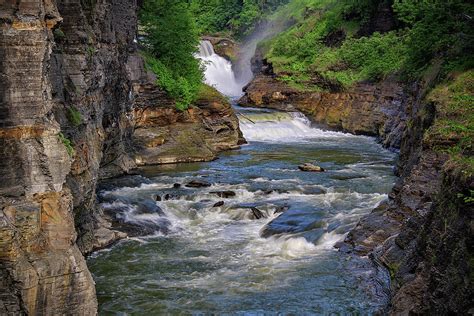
x=257, y=214
x=309, y=167
x=279, y=191
x=219, y=204
x=148, y=207
x=198, y=184
x=176, y=186
x=281, y=209
x=224, y=194
x=314, y=190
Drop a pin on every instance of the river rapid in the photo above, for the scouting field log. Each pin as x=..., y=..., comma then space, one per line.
x=260, y=239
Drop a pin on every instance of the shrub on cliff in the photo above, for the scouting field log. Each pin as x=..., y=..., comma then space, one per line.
x=437, y=29
x=171, y=39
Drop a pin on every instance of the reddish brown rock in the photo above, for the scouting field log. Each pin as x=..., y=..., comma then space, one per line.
x=164, y=134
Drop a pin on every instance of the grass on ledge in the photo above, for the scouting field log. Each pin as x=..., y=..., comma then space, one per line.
x=453, y=130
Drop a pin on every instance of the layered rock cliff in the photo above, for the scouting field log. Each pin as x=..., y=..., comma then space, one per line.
x=38, y=253
x=423, y=234
x=78, y=106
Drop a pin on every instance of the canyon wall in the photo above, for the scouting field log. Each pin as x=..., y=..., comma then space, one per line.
x=77, y=106
x=423, y=234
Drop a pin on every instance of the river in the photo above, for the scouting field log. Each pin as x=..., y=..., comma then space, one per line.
x=259, y=240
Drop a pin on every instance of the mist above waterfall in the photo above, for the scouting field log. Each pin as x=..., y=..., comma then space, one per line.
x=264, y=30
x=228, y=78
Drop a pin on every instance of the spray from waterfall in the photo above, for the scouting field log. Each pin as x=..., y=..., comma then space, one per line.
x=264, y=30
x=228, y=78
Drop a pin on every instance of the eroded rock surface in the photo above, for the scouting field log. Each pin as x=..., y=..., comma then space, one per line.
x=423, y=234
x=164, y=134
x=77, y=106
x=39, y=258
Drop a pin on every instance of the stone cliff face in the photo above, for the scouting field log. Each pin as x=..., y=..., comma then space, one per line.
x=39, y=257
x=375, y=110
x=77, y=106
x=423, y=234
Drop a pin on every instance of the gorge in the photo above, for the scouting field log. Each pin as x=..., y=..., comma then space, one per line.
x=97, y=161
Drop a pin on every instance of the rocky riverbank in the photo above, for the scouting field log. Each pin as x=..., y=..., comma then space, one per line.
x=423, y=233
x=79, y=107
x=366, y=109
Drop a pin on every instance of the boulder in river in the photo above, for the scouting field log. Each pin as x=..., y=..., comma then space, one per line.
x=279, y=191
x=198, y=184
x=257, y=214
x=148, y=207
x=224, y=194
x=219, y=204
x=309, y=167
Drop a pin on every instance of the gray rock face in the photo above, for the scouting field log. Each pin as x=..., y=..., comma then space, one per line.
x=423, y=233
x=74, y=105
x=39, y=258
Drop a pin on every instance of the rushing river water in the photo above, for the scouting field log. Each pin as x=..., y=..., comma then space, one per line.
x=208, y=255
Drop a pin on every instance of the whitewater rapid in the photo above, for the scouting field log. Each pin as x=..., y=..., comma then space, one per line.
x=207, y=253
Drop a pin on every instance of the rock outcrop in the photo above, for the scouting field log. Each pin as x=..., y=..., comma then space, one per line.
x=423, y=234
x=39, y=258
x=224, y=47
x=165, y=135
x=77, y=106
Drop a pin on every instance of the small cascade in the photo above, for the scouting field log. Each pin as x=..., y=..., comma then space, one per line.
x=218, y=71
x=281, y=127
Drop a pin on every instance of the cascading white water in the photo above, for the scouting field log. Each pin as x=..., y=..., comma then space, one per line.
x=218, y=71
x=280, y=126
x=256, y=126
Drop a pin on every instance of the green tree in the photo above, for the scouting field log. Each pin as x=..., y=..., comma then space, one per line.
x=437, y=28
x=171, y=40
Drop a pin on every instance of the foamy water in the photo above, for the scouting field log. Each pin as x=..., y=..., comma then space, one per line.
x=202, y=259
x=278, y=127
x=218, y=71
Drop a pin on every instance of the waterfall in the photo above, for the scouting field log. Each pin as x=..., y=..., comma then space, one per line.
x=266, y=126
x=281, y=127
x=218, y=71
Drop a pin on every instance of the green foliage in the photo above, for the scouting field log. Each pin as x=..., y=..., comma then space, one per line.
x=467, y=198
x=437, y=28
x=376, y=56
x=67, y=143
x=178, y=87
x=74, y=116
x=91, y=50
x=453, y=130
x=171, y=41
x=431, y=29
x=58, y=33
x=237, y=16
